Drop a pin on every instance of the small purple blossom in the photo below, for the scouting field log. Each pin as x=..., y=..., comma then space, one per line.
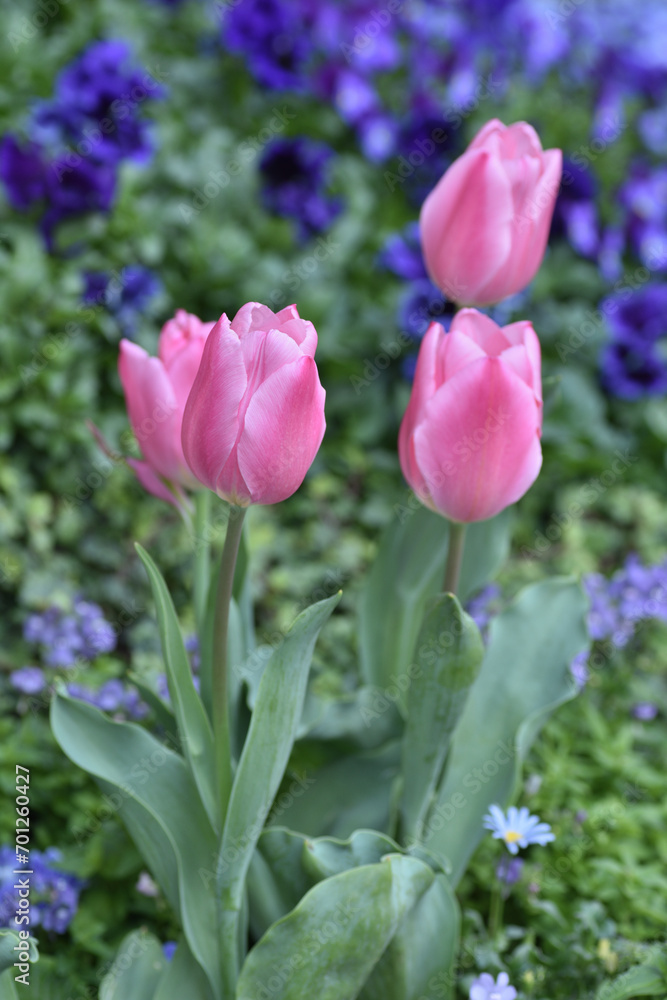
x=28, y=680
x=295, y=178
x=125, y=297
x=508, y=870
x=488, y=988
x=66, y=638
x=274, y=39
x=645, y=711
x=54, y=894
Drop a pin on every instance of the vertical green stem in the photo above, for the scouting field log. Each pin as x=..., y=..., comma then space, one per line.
x=457, y=534
x=223, y=751
x=202, y=557
x=495, y=912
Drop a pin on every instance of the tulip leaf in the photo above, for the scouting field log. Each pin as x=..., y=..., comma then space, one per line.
x=348, y=794
x=156, y=798
x=193, y=723
x=524, y=676
x=182, y=978
x=7, y=987
x=447, y=658
x=408, y=570
x=640, y=981
x=268, y=745
x=9, y=939
x=329, y=944
x=136, y=970
x=420, y=959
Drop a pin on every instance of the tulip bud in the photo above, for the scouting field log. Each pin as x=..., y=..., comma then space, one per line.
x=156, y=390
x=469, y=442
x=485, y=225
x=254, y=420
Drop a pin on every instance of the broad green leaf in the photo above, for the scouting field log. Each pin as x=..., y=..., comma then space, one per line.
x=329, y=944
x=287, y=864
x=446, y=661
x=267, y=749
x=182, y=978
x=193, y=723
x=420, y=960
x=8, y=986
x=641, y=981
x=164, y=717
x=349, y=794
x=409, y=569
x=525, y=675
x=155, y=795
x=9, y=939
x=136, y=969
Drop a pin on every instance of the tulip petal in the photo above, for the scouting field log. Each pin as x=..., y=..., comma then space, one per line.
x=523, y=334
x=152, y=409
x=481, y=330
x=264, y=353
x=492, y=127
x=254, y=316
x=466, y=226
x=477, y=447
x=284, y=427
x=210, y=420
x=150, y=481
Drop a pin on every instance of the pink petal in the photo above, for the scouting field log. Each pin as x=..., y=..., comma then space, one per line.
x=150, y=481
x=522, y=333
x=210, y=421
x=152, y=409
x=458, y=351
x=253, y=316
x=493, y=127
x=264, y=352
x=477, y=447
x=481, y=330
x=466, y=227
x=521, y=139
x=284, y=427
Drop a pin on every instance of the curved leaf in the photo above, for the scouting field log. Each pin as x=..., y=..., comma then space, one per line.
x=193, y=723
x=155, y=795
x=408, y=570
x=8, y=942
x=136, y=970
x=182, y=978
x=524, y=676
x=446, y=661
x=329, y=944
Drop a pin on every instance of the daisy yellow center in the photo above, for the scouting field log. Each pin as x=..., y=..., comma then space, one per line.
x=512, y=836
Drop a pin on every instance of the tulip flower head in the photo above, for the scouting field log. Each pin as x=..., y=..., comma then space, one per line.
x=254, y=420
x=485, y=225
x=156, y=390
x=469, y=443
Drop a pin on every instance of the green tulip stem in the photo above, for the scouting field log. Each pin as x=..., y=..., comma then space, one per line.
x=223, y=750
x=457, y=534
x=495, y=912
x=202, y=557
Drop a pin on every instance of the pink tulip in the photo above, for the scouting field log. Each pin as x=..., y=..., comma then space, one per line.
x=254, y=420
x=469, y=443
x=156, y=390
x=485, y=225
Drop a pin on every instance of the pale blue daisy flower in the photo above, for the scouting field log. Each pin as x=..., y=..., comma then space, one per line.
x=488, y=988
x=518, y=828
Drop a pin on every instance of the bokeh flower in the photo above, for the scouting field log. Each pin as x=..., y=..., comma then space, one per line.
x=294, y=184
x=518, y=828
x=485, y=987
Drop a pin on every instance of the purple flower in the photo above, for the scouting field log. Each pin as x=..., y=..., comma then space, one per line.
x=646, y=711
x=575, y=215
x=579, y=669
x=632, y=369
x=125, y=299
x=402, y=254
x=273, y=37
x=294, y=174
x=488, y=988
x=484, y=606
x=65, y=638
x=23, y=171
x=508, y=870
x=169, y=947
x=54, y=894
x=28, y=680
x=421, y=304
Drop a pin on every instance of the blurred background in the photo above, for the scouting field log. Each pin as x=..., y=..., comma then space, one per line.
x=162, y=155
